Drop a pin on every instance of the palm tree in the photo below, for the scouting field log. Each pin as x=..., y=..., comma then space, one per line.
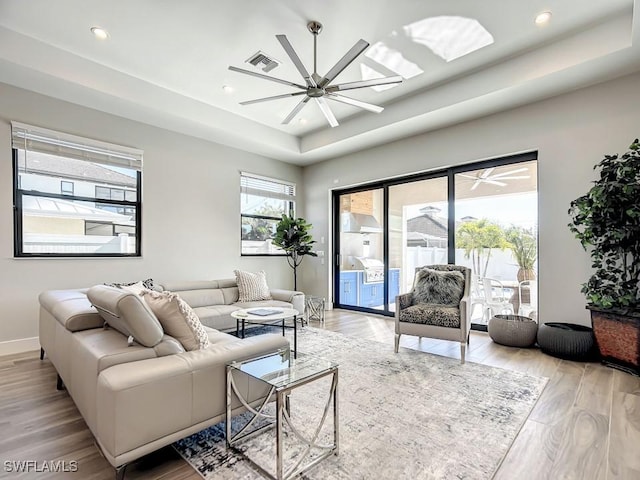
x=477, y=238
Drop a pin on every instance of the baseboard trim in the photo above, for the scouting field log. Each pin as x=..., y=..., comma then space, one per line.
x=19, y=346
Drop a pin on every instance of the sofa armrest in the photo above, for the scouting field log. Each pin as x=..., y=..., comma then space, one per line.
x=294, y=298
x=141, y=403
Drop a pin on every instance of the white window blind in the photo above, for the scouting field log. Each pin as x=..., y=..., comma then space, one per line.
x=252, y=184
x=37, y=139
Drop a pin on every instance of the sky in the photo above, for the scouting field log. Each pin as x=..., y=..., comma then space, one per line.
x=516, y=209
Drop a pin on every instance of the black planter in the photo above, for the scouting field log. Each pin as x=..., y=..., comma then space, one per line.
x=568, y=341
x=618, y=338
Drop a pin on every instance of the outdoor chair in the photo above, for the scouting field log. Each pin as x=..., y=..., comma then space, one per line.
x=495, y=299
x=437, y=307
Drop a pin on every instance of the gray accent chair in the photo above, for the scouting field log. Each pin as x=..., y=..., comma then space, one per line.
x=450, y=321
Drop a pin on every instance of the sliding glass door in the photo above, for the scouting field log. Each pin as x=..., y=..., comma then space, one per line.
x=360, y=266
x=496, y=236
x=483, y=216
x=418, y=231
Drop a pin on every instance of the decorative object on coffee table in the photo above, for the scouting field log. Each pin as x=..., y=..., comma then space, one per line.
x=606, y=220
x=513, y=330
x=567, y=340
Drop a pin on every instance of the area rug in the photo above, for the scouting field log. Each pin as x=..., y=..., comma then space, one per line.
x=410, y=415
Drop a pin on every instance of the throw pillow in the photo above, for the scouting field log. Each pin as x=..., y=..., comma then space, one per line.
x=252, y=286
x=439, y=287
x=177, y=319
x=148, y=283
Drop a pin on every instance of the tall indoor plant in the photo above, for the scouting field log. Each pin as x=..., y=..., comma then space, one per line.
x=292, y=235
x=606, y=220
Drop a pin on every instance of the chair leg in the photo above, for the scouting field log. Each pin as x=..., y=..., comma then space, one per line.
x=59, y=383
x=41, y=353
x=397, y=345
x=463, y=348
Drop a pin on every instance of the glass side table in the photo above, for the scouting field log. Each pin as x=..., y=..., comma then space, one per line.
x=281, y=374
x=314, y=308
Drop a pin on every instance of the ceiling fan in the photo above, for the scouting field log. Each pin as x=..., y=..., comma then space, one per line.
x=320, y=88
x=495, y=179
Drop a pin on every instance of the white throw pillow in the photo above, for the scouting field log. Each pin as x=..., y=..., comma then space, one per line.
x=177, y=319
x=252, y=286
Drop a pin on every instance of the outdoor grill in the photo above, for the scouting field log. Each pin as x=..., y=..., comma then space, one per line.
x=373, y=269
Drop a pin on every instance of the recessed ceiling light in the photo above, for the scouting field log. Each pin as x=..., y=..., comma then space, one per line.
x=303, y=121
x=100, y=33
x=227, y=89
x=543, y=18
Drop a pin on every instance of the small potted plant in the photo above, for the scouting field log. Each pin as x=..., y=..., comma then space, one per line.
x=606, y=220
x=292, y=235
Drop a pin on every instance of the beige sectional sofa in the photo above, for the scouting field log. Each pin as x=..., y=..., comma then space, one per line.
x=138, y=396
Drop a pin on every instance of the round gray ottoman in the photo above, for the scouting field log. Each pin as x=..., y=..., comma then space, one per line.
x=513, y=330
x=567, y=340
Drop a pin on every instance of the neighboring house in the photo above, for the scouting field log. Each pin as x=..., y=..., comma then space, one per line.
x=72, y=225
x=427, y=230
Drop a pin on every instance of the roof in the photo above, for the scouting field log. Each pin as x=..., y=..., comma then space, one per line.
x=51, y=165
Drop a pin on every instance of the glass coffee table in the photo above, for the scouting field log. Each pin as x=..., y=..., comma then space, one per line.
x=268, y=316
x=281, y=374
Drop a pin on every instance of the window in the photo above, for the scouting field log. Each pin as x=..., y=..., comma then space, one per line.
x=263, y=201
x=74, y=197
x=66, y=188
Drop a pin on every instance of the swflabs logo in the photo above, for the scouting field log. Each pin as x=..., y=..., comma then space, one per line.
x=39, y=466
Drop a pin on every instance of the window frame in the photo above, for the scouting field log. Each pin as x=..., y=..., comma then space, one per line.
x=19, y=194
x=290, y=207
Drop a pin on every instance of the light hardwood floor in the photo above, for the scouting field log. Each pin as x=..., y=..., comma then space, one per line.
x=586, y=424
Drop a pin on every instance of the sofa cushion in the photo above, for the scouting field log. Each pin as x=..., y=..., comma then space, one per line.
x=438, y=315
x=127, y=313
x=252, y=286
x=178, y=319
x=439, y=287
x=71, y=308
x=264, y=303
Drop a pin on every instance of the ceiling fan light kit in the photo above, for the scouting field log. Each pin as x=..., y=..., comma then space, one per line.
x=320, y=88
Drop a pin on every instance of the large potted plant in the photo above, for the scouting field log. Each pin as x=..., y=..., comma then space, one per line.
x=292, y=235
x=607, y=222
x=522, y=243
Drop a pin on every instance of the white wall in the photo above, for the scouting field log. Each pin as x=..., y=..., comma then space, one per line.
x=571, y=132
x=191, y=205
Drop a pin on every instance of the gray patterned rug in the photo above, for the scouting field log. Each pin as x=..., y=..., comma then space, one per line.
x=410, y=415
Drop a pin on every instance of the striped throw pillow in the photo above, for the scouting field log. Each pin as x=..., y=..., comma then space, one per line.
x=252, y=286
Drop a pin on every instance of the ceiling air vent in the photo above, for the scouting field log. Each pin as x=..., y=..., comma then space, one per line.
x=263, y=61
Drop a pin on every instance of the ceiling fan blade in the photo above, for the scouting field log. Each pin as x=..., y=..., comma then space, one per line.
x=364, y=83
x=517, y=177
x=344, y=62
x=510, y=172
x=266, y=77
x=467, y=176
x=295, y=111
x=328, y=114
x=296, y=60
x=275, y=97
x=486, y=173
x=476, y=183
x=356, y=103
